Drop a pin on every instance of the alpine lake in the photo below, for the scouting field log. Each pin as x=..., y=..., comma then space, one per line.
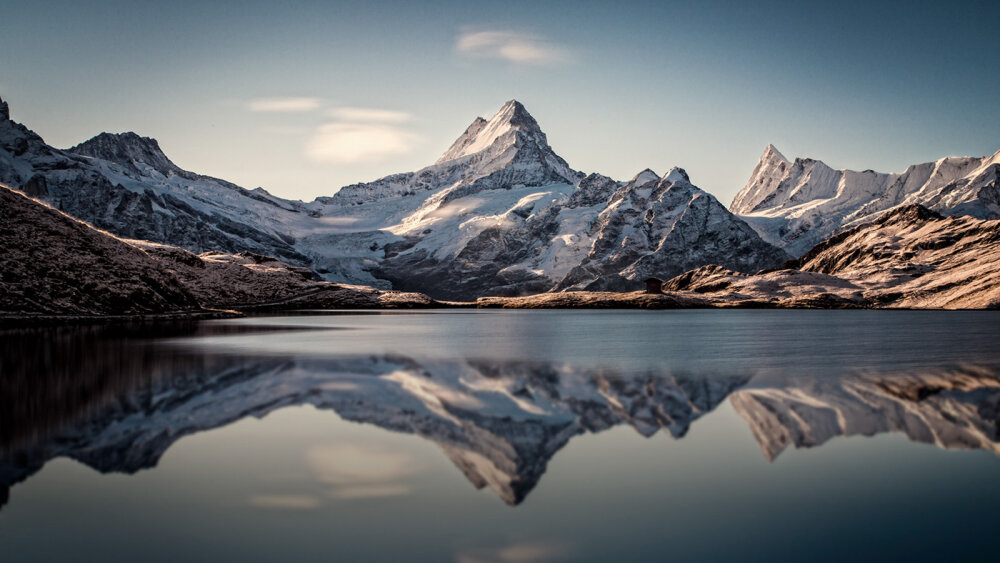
x=496, y=435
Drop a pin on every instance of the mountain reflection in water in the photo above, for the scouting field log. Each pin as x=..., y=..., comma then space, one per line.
x=116, y=399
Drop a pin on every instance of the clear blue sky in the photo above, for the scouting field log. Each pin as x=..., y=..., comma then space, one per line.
x=305, y=97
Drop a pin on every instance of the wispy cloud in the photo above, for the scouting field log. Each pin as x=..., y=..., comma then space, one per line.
x=525, y=552
x=360, y=135
x=285, y=502
x=285, y=105
x=361, y=471
x=350, y=134
x=512, y=46
x=358, y=142
x=357, y=492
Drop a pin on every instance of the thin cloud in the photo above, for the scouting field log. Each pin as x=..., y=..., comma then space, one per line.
x=284, y=105
x=361, y=135
x=511, y=46
x=358, y=142
x=527, y=552
x=359, y=492
x=285, y=502
x=359, y=472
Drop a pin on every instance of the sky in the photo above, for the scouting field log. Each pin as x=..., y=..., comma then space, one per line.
x=302, y=98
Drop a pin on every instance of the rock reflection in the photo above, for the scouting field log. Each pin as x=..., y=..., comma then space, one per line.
x=117, y=401
x=953, y=409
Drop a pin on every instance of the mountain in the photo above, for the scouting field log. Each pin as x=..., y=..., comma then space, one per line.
x=54, y=264
x=508, y=150
x=796, y=205
x=499, y=213
x=126, y=185
x=909, y=257
x=661, y=227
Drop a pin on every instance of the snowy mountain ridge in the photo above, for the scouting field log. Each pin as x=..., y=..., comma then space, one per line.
x=797, y=204
x=508, y=150
x=500, y=213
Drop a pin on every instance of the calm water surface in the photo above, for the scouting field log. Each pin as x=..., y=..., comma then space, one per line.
x=505, y=436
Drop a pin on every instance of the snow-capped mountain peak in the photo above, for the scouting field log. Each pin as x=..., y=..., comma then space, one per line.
x=461, y=144
x=645, y=176
x=676, y=175
x=506, y=151
x=128, y=149
x=501, y=128
x=795, y=205
x=771, y=153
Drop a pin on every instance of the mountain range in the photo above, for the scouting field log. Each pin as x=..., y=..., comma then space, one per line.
x=498, y=214
x=798, y=204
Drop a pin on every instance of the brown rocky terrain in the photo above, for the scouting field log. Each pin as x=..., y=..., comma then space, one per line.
x=910, y=257
x=53, y=265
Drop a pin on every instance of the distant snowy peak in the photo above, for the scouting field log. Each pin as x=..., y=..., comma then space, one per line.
x=461, y=145
x=772, y=154
x=677, y=175
x=672, y=177
x=130, y=150
x=483, y=134
x=507, y=151
x=644, y=177
x=4, y=110
x=797, y=204
x=510, y=139
x=661, y=229
x=763, y=181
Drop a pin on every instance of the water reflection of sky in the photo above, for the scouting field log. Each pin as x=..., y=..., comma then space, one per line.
x=713, y=340
x=314, y=480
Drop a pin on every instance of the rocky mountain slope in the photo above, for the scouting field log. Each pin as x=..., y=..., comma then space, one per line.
x=52, y=264
x=126, y=185
x=500, y=213
x=661, y=227
x=910, y=257
x=796, y=205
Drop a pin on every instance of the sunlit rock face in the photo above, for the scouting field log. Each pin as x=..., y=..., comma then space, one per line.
x=661, y=227
x=909, y=257
x=797, y=204
x=500, y=422
x=500, y=213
